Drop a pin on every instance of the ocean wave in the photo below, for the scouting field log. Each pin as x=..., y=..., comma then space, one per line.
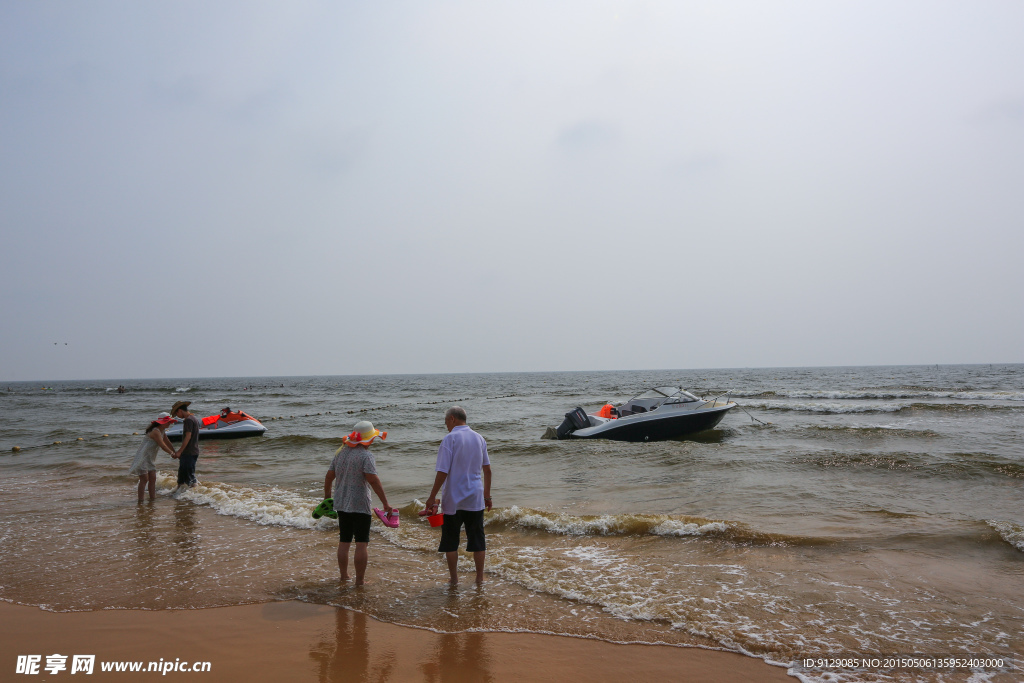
x=886, y=461
x=1009, y=532
x=883, y=394
x=304, y=441
x=984, y=463
x=268, y=507
x=130, y=389
x=879, y=430
x=644, y=525
x=274, y=506
x=953, y=465
x=218, y=389
x=957, y=407
x=889, y=513
x=989, y=395
x=606, y=525
x=849, y=409
x=828, y=408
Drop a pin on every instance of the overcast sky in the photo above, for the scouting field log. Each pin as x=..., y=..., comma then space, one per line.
x=240, y=188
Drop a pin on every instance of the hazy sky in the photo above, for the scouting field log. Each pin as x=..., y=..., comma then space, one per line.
x=241, y=188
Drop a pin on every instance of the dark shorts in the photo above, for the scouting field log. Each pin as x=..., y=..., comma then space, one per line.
x=187, y=470
x=353, y=524
x=474, y=521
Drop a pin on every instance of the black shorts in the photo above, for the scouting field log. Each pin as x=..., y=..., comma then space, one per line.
x=474, y=521
x=353, y=524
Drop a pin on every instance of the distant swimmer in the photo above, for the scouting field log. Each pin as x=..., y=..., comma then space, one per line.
x=461, y=460
x=352, y=474
x=144, y=464
x=188, y=454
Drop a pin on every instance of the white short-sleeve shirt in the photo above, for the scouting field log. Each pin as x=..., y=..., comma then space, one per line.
x=462, y=455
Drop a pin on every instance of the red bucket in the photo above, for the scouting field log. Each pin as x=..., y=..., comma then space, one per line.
x=436, y=520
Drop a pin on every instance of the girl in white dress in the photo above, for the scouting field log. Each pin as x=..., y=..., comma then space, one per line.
x=144, y=464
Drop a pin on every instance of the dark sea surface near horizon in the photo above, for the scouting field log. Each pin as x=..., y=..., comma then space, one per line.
x=877, y=512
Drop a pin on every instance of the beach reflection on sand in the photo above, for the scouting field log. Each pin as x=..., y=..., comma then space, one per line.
x=349, y=655
x=458, y=657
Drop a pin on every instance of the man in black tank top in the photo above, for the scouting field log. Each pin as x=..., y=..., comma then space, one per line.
x=188, y=454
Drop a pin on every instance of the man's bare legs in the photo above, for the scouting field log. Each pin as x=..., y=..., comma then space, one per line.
x=343, y=560
x=360, y=561
x=478, y=559
x=453, y=566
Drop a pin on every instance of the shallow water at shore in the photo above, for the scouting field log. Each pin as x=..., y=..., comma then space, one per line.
x=878, y=513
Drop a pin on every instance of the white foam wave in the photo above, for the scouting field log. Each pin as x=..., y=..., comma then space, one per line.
x=1010, y=532
x=269, y=507
x=990, y=395
x=674, y=527
x=606, y=525
x=596, y=575
x=181, y=390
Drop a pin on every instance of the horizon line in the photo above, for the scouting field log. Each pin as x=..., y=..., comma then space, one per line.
x=505, y=372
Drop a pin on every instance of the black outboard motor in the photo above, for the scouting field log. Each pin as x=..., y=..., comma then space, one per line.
x=575, y=419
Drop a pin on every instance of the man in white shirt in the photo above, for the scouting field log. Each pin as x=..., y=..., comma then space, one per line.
x=464, y=470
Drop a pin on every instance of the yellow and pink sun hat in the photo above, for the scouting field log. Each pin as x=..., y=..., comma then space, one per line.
x=363, y=434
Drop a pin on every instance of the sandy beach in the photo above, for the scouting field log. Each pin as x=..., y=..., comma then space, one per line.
x=302, y=642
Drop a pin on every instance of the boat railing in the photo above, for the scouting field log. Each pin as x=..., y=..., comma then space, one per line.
x=714, y=400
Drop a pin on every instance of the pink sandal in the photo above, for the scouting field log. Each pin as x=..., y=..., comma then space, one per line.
x=390, y=518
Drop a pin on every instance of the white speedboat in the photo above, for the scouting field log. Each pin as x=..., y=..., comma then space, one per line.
x=226, y=425
x=655, y=415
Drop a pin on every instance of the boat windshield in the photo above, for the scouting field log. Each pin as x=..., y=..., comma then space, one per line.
x=658, y=393
x=682, y=396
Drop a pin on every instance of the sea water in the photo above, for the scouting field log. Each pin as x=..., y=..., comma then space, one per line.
x=854, y=511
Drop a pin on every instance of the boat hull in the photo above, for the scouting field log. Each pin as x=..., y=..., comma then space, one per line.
x=654, y=427
x=235, y=431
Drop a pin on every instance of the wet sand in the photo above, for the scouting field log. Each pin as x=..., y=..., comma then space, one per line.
x=304, y=642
